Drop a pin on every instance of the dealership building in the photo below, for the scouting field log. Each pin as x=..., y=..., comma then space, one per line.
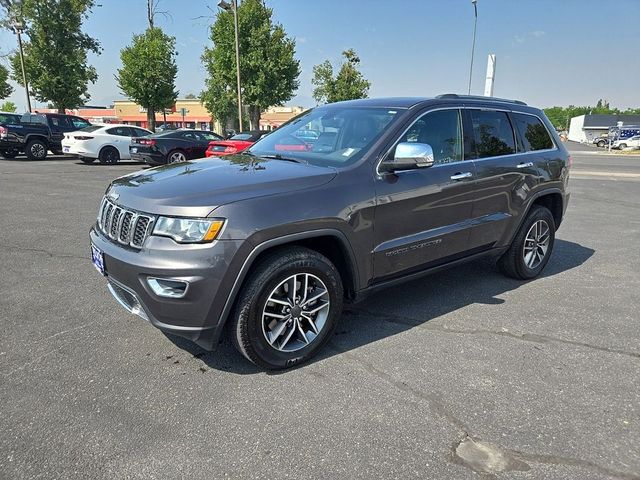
x=584, y=128
x=196, y=115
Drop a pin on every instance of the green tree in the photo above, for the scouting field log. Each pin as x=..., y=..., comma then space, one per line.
x=268, y=68
x=148, y=72
x=5, y=88
x=348, y=84
x=8, y=107
x=190, y=96
x=55, y=54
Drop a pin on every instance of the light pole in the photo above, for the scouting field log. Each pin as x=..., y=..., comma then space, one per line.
x=18, y=28
x=233, y=8
x=473, y=45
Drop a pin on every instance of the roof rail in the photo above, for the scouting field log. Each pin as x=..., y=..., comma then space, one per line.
x=479, y=97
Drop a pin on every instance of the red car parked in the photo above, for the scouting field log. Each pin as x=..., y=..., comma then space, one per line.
x=235, y=144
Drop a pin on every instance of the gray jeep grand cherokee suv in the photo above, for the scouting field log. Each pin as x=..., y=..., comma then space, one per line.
x=271, y=242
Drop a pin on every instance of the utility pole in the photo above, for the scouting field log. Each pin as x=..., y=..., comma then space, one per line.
x=18, y=28
x=473, y=45
x=233, y=8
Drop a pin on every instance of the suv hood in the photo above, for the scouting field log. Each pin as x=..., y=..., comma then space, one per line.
x=197, y=187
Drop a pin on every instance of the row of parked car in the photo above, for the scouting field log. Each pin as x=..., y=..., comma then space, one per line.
x=36, y=134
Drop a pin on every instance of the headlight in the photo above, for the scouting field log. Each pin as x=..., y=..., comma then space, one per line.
x=188, y=230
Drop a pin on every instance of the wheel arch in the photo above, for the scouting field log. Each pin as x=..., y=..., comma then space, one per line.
x=36, y=136
x=107, y=145
x=552, y=199
x=331, y=243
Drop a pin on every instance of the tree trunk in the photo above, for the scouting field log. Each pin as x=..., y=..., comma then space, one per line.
x=254, y=117
x=61, y=110
x=151, y=119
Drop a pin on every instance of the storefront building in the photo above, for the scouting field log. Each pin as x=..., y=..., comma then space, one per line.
x=196, y=115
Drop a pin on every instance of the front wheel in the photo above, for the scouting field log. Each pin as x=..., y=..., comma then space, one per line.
x=622, y=146
x=9, y=153
x=288, y=308
x=532, y=246
x=600, y=144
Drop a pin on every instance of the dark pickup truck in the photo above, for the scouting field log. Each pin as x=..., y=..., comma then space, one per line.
x=35, y=134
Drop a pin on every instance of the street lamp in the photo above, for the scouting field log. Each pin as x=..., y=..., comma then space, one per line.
x=233, y=8
x=18, y=28
x=473, y=45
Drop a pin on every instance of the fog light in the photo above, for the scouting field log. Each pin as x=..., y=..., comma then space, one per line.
x=167, y=287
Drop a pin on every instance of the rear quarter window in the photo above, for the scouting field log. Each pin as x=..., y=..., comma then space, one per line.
x=531, y=132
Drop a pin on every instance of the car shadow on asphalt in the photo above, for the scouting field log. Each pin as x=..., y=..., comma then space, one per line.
x=384, y=313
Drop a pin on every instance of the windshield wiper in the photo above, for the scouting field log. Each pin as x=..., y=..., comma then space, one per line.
x=277, y=156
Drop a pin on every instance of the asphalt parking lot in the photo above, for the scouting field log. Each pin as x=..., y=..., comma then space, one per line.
x=459, y=375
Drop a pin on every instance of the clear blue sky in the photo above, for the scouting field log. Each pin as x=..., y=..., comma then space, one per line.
x=549, y=52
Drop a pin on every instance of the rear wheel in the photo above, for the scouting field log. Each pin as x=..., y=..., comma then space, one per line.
x=532, y=246
x=176, y=156
x=288, y=309
x=109, y=156
x=36, y=150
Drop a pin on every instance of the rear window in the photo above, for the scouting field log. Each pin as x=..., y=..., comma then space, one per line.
x=242, y=136
x=532, y=134
x=90, y=128
x=492, y=133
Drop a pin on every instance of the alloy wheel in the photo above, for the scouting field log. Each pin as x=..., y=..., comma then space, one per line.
x=295, y=312
x=536, y=244
x=38, y=150
x=177, y=157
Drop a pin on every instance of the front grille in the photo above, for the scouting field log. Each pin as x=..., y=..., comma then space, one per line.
x=124, y=226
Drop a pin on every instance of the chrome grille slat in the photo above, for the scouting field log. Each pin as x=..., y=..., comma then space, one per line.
x=124, y=226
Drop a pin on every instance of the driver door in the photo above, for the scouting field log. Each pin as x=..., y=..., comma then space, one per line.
x=423, y=216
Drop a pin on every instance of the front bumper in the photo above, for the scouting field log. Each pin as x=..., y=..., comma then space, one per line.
x=198, y=315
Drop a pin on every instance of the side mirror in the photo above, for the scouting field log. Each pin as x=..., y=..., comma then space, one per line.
x=409, y=156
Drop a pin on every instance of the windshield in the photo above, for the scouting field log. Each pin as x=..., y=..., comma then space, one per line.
x=329, y=136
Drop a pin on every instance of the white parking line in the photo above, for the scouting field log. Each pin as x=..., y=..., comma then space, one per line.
x=590, y=173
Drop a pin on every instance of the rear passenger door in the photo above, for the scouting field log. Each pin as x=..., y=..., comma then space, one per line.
x=121, y=139
x=508, y=169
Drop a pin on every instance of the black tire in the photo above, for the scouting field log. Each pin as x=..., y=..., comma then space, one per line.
x=622, y=146
x=246, y=324
x=87, y=160
x=36, y=149
x=176, y=156
x=9, y=153
x=109, y=156
x=600, y=144
x=513, y=262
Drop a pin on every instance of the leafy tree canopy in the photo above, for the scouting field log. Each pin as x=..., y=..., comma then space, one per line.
x=55, y=54
x=5, y=88
x=560, y=116
x=348, y=84
x=268, y=69
x=149, y=71
x=8, y=107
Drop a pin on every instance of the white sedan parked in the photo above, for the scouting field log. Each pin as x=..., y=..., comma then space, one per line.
x=108, y=143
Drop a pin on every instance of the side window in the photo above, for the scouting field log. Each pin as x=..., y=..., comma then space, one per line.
x=188, y=136
x=532, y=134
x=442, y=130
x=492, y=133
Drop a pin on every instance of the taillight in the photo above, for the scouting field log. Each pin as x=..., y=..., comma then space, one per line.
x=230, y=150
x=3, y=132
x=82, y=137
x=146, y=141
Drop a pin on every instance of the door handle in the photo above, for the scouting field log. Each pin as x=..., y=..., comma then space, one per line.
x=460, y=176
x=525, y=165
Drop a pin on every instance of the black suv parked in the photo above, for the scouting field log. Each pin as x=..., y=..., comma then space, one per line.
x=34, y=134
x=271, y=242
